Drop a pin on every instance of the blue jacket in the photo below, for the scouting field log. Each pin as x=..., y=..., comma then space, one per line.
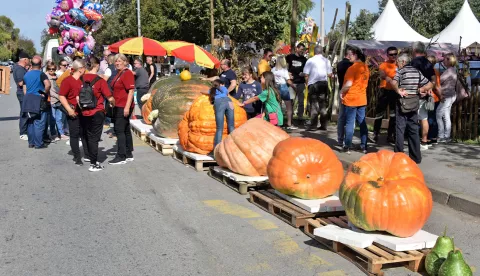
x=31, y=103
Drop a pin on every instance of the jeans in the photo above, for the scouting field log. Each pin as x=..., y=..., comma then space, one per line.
x=58, y=117
x=358, y=113
x=50, y=123
x=318, y=100
x=121, y=126
x=432, y=123
x=386, y=98
x=223, y=108
x=76, y=132
x=408, y=122
x=93, y=126
x=341, y=124
x=443, y=117
x=35, y=128
x=140, y=93
x=23, y=120
x=300, y=91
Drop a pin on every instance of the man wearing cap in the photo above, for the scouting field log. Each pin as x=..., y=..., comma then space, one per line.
x=19, y=70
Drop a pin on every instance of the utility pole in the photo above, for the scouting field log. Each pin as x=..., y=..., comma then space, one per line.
x=212, y=28
x=322, y=31
x=139, y=23
x=293, y=25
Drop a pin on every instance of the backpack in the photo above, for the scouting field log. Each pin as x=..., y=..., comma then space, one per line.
x=86, y=98
x=461, y=88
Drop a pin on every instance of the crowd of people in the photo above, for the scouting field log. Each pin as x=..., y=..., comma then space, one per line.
x=75, y=99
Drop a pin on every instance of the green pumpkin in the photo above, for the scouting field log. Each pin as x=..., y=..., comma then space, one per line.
x=173, y=97
x=438, y=254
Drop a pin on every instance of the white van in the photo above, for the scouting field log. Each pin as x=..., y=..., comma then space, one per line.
x=51, y=52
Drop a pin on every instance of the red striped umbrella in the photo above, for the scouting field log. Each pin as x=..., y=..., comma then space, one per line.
x=138, y=46
x=191, y=53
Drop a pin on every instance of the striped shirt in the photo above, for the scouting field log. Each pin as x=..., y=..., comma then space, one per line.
x=410, y=79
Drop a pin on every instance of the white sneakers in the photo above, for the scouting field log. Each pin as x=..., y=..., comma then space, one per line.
x=96, y=168
x=24, y=137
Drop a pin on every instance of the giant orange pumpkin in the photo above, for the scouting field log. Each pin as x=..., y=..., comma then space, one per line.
x=386, y=191
x=196, y=131
x=248, y=149
x=147, y=108
x=305, y=168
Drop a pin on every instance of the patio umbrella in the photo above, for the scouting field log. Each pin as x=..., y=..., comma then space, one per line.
x=138, y=46
x=191, y=53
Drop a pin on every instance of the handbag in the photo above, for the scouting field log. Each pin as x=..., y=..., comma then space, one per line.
x=273, y=116
x=409, y=104
x=430, y=104
x=461, y=89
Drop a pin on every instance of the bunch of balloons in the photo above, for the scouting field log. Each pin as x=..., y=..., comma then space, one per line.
x=305, y=29
x=75, y=21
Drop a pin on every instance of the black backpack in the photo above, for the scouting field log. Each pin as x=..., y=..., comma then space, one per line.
x=86, y=98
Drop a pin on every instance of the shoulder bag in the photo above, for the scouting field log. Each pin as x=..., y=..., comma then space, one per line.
x=273, y=116
x=110, y=110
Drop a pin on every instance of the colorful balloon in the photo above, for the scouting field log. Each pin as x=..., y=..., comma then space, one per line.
x=78, y=15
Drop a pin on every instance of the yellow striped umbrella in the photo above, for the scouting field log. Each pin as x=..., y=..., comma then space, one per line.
x=139, y=46
x=191, y=53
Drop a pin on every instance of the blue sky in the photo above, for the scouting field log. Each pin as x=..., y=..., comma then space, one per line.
x=31, y=17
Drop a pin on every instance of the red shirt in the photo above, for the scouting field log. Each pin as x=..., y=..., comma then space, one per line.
x=100, y=90
x=122, y=83
x=70, y=88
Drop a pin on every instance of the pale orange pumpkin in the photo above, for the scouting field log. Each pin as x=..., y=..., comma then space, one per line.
x=196, y=131
x=248, y=149
x=386, y=191
x=305, y=168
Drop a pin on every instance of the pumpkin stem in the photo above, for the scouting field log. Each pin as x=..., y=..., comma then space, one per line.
x=380, y=178
x=308, y=176
x=445, y=231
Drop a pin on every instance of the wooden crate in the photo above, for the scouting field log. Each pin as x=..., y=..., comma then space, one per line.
x=140, y=129
x=284, y=210
x=195, y=161
x=162, y=145
x=239, y=186
x=5, y=80
x=372, y=259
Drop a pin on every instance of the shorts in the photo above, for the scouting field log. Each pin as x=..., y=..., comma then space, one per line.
x=422, y=111
x=284, y=92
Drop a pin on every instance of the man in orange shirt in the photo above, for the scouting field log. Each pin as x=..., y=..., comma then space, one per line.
x=264, y=64
x=354, y=97
x=386, y=96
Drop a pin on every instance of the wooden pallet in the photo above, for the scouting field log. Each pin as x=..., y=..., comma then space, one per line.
x=372, y=259
x=192, y=160
x=284, y=210
x=140, y=129
x=239, y=186
x=5, y=80
x=160, y=144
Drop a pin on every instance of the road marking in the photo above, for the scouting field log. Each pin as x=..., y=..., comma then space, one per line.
x=260, y=267
x=332, y=273
x=284, y=244
x=228, y=208
x=263, y=224
x=313, y=262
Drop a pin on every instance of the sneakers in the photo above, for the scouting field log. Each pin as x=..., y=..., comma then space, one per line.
x=292, y=127
x=96, y=167
x=423, y=147
x=346, y=150
x=118, y=161
x=24, y=137
x=86, y=159
x=129, y=158
x=56, y=139
x=78, y=161
x=64, y=137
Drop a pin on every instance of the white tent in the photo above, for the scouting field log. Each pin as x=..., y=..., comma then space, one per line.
x=465, y=25
x=391, y=26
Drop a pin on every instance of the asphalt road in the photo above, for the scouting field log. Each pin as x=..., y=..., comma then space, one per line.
x=152, y=217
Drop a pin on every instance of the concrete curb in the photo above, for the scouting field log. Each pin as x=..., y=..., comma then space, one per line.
x=450, y=198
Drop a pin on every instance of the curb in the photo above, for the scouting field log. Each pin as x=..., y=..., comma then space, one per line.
x=450, y=198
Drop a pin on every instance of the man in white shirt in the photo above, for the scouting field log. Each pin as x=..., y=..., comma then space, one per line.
x=317, y=71
x=104, y=62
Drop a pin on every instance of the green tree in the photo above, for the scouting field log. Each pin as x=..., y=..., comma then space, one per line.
x=361, y=28
x=45, y=37
x=8, y=38
x=27, y=45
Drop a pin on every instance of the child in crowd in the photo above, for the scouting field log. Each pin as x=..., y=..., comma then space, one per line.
x=223, y=107
x=248, y=89
x=270, y=97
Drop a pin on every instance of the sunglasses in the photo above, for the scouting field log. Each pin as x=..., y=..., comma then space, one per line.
x=393, y=55
x=50, y=69
x=63, y=65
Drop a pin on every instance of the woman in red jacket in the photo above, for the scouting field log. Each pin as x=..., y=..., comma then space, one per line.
x=123, y=86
